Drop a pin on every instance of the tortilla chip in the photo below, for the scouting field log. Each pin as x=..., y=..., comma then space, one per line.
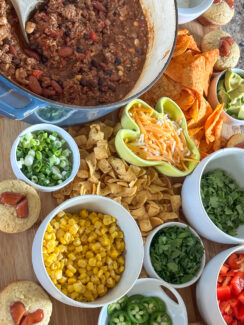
x=210, y=60
x=211, y=121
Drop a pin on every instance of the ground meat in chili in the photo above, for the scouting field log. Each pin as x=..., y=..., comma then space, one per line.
x=82, y=52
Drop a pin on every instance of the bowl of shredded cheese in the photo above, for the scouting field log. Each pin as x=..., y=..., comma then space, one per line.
x=157, y=137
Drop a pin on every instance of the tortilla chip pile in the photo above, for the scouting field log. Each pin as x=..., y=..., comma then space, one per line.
x=186, y=81
x=149, y=197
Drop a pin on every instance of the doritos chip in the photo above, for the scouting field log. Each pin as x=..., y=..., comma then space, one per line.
x=211, y=122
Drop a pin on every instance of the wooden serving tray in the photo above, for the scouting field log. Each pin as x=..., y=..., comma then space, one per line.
x=15, y=257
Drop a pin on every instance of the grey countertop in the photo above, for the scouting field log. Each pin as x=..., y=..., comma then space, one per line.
x=236, y=29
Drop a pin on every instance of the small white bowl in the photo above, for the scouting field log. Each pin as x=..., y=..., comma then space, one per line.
x=63, y=134
x=188, y=14
x=206, y=290
x=133, y=247
x=213, y=96
x=153, y=287
x=147, y=259
x=230, y=160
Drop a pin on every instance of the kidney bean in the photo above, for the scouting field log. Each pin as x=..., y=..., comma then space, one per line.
x=33, y=318
x=48, y=92
x=65, y=51
x=37, y=73
x=17, y=311
x=93, y=35
x=12, y=50
x=11, y=198
x=99, y=6
x=56, y=87
x=33, y=54
x=224, y=48
x=35, y=85
x=22, y=209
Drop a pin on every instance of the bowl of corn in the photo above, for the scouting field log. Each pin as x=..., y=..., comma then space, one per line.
x=88, y=252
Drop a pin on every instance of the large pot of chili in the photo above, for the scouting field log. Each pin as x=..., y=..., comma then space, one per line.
x=84, y=59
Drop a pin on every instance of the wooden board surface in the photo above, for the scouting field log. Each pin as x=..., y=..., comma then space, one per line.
x=15, y=257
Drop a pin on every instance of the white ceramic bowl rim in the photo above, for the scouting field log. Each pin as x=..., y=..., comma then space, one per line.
x=52, y=215
x=241, y=73
x=200, y=8
x=207, y=160
x=235, y=249
x=71, y=144
x=180, y=225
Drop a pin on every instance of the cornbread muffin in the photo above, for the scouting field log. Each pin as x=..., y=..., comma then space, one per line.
x=229, y=52
x=30, y=295
x=220, y=13
x=9, y=220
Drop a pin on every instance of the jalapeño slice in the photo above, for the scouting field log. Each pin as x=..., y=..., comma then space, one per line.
x=160, y=318
x=137, y=313
x=119, y=318
x=117, y=305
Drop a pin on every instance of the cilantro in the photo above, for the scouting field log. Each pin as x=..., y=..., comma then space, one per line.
x=223, y=201
x=176, y=254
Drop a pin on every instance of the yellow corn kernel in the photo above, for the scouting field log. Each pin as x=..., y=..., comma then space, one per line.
x=98, y=224
x=69, y=273
x=65, y=291
x=114, y=253
x=48, y=236
x=74, y=295
x=121, y=269
x=58, y=274
x=88, y=295
x=92, y=261
x=71, y=256
x=90, y=286
x=82, y=263
x=49, y=228
x=110, y=282
x=67, y=237
x=100, y=273
x=71, y=280
x=62, y=280
x=89, y=254
x=74, y=229
x=115, y=265
x=89, y=267
x=120, y=235
x=107, y=220
x=70, y=288
x=114, y=235
x=117, y=278
x=76, y=242
x=121, y=260
x=79, y=249
x=96, y=247
x=79, y=287
x=71, y=268
x=84, y=213
x=105, y=241
x=101, y=289
x=95, y=270
x=95, y=279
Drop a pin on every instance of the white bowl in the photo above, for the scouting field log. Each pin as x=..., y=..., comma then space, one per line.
x=213, y=96
x=147, y=259
x=230, y=160
x=63, y=134
x=133, y=246
x=153, y=287
x=206, y=290
x=188, y=14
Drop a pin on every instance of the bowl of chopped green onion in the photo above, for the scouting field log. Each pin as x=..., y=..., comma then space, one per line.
x=45, y=156
x=175, y=254
x=213, y=197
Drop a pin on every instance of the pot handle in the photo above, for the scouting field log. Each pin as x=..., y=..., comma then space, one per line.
x=15, y=103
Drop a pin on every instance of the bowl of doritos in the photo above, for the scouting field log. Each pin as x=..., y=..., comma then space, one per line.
x=186, y=82
x=156, y=137
x=213, y=197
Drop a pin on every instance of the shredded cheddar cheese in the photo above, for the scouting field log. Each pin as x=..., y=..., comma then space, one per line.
x=160, y=139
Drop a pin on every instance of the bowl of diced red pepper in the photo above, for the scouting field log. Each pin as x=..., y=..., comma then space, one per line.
x=230, y=289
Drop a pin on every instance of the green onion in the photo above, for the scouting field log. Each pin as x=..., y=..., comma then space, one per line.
x=44, y=158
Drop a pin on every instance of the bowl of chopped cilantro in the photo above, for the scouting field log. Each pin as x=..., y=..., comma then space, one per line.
x=175, y=254
x=213, y=197
x=45, y=156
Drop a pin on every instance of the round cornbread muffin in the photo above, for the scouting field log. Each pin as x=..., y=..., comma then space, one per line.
x=9, y=222
x=229, y=51
x=218, y=14
x=31, y=295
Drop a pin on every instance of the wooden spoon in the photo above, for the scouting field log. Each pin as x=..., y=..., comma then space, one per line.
x=23, y=9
